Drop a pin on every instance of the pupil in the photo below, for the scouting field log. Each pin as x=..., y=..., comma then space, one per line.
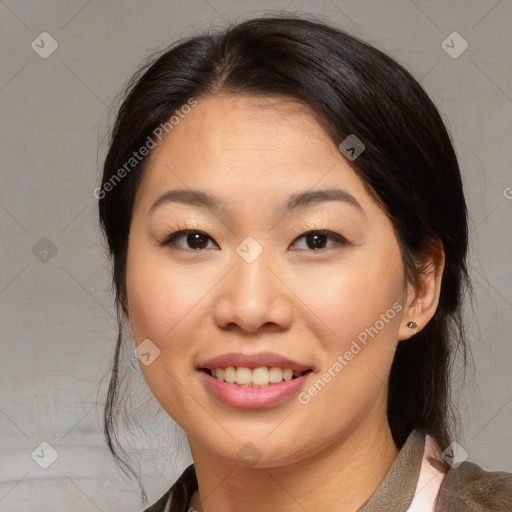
x=315, y=239
x=196, y=240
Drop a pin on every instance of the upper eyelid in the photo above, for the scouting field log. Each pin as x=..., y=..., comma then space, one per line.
x=301, y=232
x=181, y=232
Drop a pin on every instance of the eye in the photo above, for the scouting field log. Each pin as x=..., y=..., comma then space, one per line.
x=315, y=239
x=196, y=239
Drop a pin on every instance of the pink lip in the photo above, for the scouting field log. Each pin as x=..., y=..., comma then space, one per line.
x=246, y=397
x=254, y=361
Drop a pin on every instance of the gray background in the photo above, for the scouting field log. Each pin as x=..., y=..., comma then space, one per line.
x=57, y=319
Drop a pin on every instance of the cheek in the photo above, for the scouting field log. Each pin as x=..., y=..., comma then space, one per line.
x=358, y=313
x=159, y=299
x=159, y=294
x=358, y=318
x=355, y=298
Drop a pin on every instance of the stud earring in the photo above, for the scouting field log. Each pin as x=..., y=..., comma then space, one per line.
x=412, y=325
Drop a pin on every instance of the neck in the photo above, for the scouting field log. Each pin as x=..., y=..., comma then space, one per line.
x=340, y=477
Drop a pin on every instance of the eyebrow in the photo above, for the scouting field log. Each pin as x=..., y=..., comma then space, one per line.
x=295, y=201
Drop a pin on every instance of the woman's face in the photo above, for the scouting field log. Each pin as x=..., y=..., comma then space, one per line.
x=254, y=283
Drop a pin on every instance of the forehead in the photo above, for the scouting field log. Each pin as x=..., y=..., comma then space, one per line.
x=242, y=147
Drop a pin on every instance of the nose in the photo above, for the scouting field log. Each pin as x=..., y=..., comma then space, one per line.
x=253, y=296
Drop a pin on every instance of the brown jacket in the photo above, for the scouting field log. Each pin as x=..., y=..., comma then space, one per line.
x=464, y=488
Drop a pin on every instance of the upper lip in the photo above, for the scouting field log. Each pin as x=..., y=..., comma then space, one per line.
x=254, y=361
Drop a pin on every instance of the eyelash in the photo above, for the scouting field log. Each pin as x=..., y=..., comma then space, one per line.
x=303, y=231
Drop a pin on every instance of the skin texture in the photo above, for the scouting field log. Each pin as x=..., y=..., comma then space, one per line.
x=304, y=303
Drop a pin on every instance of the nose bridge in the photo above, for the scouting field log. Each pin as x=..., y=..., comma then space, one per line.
x=251, y=277
x=252, y=296
x=252, y=264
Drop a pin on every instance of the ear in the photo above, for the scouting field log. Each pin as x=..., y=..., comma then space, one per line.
x=422, y=300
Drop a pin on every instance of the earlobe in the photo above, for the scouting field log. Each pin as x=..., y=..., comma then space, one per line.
x=407, y=330
x=423, y=299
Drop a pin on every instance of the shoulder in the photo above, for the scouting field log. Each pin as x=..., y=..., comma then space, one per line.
x=177, y=498
x=469, y=488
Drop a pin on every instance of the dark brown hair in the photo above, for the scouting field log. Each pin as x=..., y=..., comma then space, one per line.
x=408, y=165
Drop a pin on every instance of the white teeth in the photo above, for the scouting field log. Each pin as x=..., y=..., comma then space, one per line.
x=243, y=375
x=230, y=375
x=260, y=376
x=256, y=377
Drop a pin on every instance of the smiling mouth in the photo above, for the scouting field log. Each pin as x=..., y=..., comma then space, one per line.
x=262, y=376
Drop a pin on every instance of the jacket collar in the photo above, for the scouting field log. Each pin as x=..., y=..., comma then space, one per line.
x=396, y=491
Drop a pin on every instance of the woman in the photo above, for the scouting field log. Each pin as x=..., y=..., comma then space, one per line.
x=287, y=223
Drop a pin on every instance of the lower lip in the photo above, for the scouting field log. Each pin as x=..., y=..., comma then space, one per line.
x=247, y=397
